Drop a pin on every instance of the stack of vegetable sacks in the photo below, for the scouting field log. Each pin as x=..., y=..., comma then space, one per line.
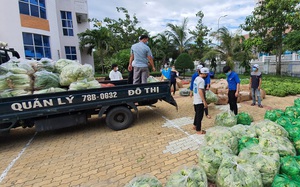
x=243, y=154
x=22, y=77
x=15, y=78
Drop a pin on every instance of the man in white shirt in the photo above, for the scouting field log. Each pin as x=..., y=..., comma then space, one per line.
x=114, y=74
x=199, y=99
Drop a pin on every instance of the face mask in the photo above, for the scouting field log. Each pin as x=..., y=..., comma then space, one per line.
x=117, y=69
x=146, y=43
x=253, y=69
x=227, y=74
x=166, y=66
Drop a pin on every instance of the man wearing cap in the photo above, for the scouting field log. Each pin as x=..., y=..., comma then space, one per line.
x=141, y=54
x=199, y=99
x=233, y=88
x=255, y=85
x=194, y=76
x=207, y=85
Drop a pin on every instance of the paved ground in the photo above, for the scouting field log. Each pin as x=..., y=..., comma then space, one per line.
x=159, y=143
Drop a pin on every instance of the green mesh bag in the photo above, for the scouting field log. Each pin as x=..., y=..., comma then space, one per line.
x=244, y=118
x=284, y=121
x=246, y=142
x=283, y=180
x=292, y=112
x=297, y=102
x=290, y=167
x=273, y=115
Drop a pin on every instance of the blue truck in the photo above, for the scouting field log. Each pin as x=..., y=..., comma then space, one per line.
x=64, y=109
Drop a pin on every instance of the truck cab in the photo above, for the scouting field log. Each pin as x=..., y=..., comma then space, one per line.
x=7, y=54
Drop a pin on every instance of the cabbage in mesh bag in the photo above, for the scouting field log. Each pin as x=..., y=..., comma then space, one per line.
x=290, y=166
x=284, y=121
x=49, y=90
x=293, y=130
x=297, y=102
x=273, y=115
x=210, y=158
x=277, y=143
x=247, y=142
x=219, y=135
x=296, y=143
x=226, y=118
x=293, y=112
x=266, y=162
x=74, y=72
x=144, y=181
x=84, y=84
x=45, y=64
x=267, y=126
x=18, y=67
x=61, y=63
x=18, y=81
x=13, y=93
x=152, y=79
x=243, y=130
x=184, y=92
x=244, y=118
x=283, y=180
x=235, y=171
x=45, y=79
x=188, y=177
x=210, y=96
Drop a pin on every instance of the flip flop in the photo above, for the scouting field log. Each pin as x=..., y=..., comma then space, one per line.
x=208, y=116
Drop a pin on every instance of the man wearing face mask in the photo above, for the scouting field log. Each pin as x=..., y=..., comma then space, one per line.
x=114, y=74
x=255, y=85
x=233, y=88
x=141, y=54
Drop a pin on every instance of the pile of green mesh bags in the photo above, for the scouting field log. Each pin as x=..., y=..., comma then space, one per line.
x=246, y=153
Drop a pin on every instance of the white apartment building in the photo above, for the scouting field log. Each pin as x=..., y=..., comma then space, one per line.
x=45, y=28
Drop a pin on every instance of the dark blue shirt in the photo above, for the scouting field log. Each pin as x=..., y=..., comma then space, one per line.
x=233, y=79
x=194, y=76
x=255, y=78
x=173, y=76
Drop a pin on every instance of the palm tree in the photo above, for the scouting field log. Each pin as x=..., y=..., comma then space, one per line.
x=96, y=39
x=161, y=47
x=231, y=49
x=179, y=35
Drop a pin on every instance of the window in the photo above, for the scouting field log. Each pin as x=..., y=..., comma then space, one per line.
x=71, y=52
x=67, y=23
x=36, y=46
x=35, y=8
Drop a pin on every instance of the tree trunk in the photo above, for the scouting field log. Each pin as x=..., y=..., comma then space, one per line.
x=278, y=61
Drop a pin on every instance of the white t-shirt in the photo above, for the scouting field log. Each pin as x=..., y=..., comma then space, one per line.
x=198, y=84
x=115, y=75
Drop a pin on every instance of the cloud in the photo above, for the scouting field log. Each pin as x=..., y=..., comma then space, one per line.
x=155, y=14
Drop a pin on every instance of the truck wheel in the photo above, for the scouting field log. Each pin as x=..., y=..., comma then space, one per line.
x=119, y=118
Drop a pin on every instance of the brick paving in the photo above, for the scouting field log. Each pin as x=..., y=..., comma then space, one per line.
x=159, y=143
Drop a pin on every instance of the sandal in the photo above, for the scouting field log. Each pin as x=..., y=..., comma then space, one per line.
x=252, y=104
x=208, y=116
x=260, y=106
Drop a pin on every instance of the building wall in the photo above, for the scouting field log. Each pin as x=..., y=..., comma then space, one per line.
x=52, y=26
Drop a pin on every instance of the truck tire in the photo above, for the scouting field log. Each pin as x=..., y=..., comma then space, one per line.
x=119, y=118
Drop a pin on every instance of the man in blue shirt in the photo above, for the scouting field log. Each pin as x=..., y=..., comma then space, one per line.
x=233, y=88
x=141, y=54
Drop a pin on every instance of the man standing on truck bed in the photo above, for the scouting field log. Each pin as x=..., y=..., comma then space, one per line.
x=141, y=54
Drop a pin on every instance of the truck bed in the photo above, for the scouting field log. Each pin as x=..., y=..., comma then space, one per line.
x=91, y=101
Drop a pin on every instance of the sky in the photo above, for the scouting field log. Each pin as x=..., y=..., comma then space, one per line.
x=154, y=15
